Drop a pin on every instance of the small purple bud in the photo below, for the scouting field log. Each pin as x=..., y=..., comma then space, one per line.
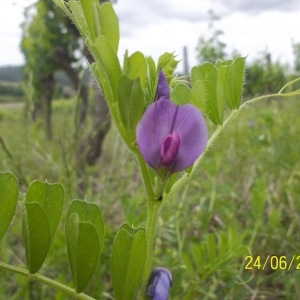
x=169, y=148
x=169, y=135
x=159, y=283
x=162, y=87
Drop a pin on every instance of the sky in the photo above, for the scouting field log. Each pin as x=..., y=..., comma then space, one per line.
x=252, y=27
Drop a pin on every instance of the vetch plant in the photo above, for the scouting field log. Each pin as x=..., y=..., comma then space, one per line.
x=162, y=121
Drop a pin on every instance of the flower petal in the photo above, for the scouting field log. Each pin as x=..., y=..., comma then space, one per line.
x=169, y=148
x=191, y=128
x=162, y=91
x=155, y=125
x=159, y=284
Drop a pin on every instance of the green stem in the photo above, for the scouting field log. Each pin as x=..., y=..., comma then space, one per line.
x=152, y=213
x=288, y=84
x=45, y=280
x=146, y=177
x=153, y=206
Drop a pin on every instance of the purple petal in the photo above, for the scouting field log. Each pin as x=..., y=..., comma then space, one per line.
x=159, y=284
x=152, y=129
x=191, y=128
x=162, y=91
x=169, y=148
x=169, y=135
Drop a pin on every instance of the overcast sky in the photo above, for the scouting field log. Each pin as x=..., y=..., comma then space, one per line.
x=156, y=26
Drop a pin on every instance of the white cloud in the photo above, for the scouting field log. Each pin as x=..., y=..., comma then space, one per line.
x=11, y=17
x=262, y=33
x=249, y=27
x=259, y=6
x=156, y=26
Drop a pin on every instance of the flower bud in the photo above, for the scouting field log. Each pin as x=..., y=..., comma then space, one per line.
x=159, y=283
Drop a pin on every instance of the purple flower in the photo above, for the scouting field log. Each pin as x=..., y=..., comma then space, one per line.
x=170, y=136
x=159, y=283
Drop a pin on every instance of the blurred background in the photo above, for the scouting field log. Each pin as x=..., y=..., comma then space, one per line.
x=55, y=126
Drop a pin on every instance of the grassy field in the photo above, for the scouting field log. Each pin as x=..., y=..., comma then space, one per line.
x=231, y=233
x=10, y=92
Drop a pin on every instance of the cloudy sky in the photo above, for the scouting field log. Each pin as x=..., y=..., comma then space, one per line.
x=156, y=26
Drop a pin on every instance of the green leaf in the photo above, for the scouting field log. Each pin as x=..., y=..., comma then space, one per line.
x=128, y=258
x=135, y=66
x=109, y=24
x=43, y=208
x=106, y=88
x=258, y=198
x=167, y=63
x=84, y=237
x=36, y=234
x=221, y=91
x=208, y=74
x=87, y=8
x=151, y=81
x=223, y=63
x=235, y=82
x=186, y=258
x=78, y=18
x=88, y=212
x=60, y=3
x=83, y=250
x=211, y=247
x=197, y=74
x=51, y=199
x=108, y=66
x=131, y=104
x=9, y=193
x=71, y=234
x=181, y=94
x=198, y=96
x=198, y=256
x=96, y=20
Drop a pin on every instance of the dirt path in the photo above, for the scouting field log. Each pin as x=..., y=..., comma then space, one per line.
x=11, y=105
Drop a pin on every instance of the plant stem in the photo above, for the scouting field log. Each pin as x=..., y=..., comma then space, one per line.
x=14, y=162
x=152, y=213
x=146, y=177
x=45, y=280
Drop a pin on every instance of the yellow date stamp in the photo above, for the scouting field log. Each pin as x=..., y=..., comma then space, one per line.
x=272, y=261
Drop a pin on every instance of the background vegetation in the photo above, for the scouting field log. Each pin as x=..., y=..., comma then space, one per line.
x=244, y=200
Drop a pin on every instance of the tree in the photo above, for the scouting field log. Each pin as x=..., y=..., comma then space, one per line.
x=212, y=48
x=44, y=30
x=51, y=42
x=296, y=50
x=264, y=77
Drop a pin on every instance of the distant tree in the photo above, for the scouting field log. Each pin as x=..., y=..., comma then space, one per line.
x=51, y=42
x=296, y=50
x=212, y=48
x=11, y=73
x=45, y=30
x=264, y=76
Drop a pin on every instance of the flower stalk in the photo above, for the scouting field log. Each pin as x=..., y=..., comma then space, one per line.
x=170, y=138
x=152, y=214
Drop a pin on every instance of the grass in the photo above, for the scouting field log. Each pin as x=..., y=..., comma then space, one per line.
x=10, y=92
x=243, y=201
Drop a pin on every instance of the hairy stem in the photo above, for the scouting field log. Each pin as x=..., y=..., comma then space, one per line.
x=45, y=280
x=152, y=213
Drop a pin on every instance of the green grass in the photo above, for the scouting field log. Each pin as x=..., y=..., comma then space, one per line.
x=10, y=92
x=244, y=200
